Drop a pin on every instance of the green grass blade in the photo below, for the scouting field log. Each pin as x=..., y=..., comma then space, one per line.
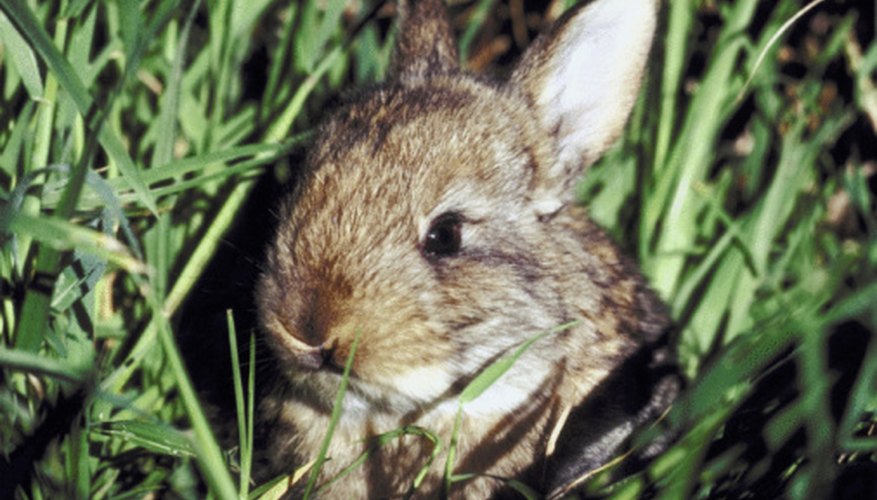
x=62, y=235
x=337, y=409
x=386, y=438
x=20, y=360
x=247, y=455
x=240, y=404
x=22, y=57
x=167, y=122
x=24, y=19
x=156, y=437
x=475, y=388
x=330, y=22
x=680, y=20
x=498, y=368
x=283, y=124
x=210, y=458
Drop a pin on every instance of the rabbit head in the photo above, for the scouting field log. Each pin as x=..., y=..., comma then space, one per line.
x=433, y=221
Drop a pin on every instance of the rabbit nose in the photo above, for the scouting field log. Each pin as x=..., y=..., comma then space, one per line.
x=330, y=354
x=319, y=357
x=312, y=359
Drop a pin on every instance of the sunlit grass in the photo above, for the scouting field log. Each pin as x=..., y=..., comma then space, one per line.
x=131, y=136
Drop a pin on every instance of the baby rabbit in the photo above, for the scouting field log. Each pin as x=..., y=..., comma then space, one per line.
x=434, y=218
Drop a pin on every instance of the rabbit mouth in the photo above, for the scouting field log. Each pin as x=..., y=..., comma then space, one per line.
x=317, y=367
x=300, y=354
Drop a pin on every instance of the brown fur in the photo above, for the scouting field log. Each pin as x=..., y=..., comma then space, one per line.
x=348, y=258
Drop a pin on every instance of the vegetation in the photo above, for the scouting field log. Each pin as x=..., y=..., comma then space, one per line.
x=134, y=134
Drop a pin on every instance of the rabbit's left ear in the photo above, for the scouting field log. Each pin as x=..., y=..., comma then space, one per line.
x=583, y=77
x=425, y=44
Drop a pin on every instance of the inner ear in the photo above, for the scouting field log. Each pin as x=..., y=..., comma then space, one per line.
x=582, y=79
x=425, y=44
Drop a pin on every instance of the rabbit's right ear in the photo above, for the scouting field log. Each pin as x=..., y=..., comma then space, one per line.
x=425, y=43
x=583, y=77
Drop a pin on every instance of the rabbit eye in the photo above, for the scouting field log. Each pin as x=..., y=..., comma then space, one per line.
x=443, y=237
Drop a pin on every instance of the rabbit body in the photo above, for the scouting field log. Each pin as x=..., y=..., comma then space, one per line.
x=486, y=168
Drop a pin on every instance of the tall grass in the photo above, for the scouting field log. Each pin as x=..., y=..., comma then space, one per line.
x=132, y=134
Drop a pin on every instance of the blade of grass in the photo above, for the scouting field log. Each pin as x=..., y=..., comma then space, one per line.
x=277, y=63
x=274, y=489
x=773, y=40
x=220, y=52
x=689, y=160
x=283, y=124
x=243, y=436
x=62, y=235
x=210, y=458
x=207, y=246
x=498, y=368
x=331, y=19
x=17, y=359
x=476, y=387
x=170, y=102
x=22, y=57
x=680, y=21
x=247, y=455
x=156, y=437
x=264, y=154
x=385, y=438
x=32, y=320
x=77, y=461
x=479, y=14
x=25, y=21
x=337, y=408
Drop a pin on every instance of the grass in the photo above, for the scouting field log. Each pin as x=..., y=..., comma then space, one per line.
x=133, y=135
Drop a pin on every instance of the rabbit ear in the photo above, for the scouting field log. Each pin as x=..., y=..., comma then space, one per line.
x=583, y=78
x=425, y=44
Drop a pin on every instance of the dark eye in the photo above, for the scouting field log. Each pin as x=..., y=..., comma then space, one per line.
x=443, y=237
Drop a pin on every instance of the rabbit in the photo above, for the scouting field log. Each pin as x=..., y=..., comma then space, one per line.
x=434, y=218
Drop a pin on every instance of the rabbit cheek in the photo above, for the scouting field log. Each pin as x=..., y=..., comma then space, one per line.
x=424, y=384
x=394, y=339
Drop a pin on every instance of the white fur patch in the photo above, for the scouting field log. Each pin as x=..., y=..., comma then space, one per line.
x=423, y=383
